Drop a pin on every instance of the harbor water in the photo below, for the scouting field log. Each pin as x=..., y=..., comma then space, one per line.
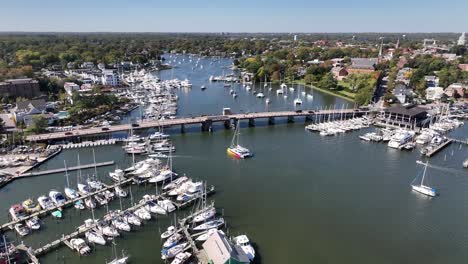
x=302, y=198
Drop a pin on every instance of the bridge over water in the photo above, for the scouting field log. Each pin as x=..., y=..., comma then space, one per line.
x=205, y=121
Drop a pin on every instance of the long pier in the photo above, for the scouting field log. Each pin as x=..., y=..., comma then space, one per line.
x=86, y=166
x=205, y=121
x=438, y=148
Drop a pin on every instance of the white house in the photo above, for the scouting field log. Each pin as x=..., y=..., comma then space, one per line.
x=434, y=93
x=70, y=87
x=110, y=78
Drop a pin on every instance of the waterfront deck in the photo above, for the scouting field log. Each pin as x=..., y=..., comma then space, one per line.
x=205, y=121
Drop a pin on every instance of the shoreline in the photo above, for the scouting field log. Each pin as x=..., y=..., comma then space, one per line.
x=342, y=96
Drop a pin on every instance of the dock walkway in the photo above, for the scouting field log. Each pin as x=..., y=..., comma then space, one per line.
x=86, y=166
x=439, y=148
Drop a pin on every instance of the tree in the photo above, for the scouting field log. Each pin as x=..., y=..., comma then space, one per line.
x=328, y=82
x=39, y=124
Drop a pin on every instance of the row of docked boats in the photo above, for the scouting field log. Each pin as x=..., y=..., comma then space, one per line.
x=332, y=128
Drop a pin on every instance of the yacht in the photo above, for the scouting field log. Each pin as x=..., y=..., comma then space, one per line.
x=209, y=225
x=120, y=192
x=167, y=205
x=45, y=202
x=260, y=95
x=142, y=213
x=95, y=237
x=298, y=101
x=89, y=202
x=207, y=234
x=22, y=230
x=33, y=223
x=163, y=176
x=121, y=224
x=169, y=232
x=279, y=91
x=400, y=138
x=80, y=246
x=154, y=208
x=237, y=150
x=244, y=243
x=181, y=258
x=175, y=183
x=57, y=197
x=17, y=211
x=421, y=188
x=172, y=252
x=172, y=240
x=208, y=214
x=30, y=206
x=132, y=219
x=71, y=193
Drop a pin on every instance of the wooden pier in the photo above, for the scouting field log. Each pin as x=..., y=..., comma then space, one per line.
x=81, y=167
x=439, y=148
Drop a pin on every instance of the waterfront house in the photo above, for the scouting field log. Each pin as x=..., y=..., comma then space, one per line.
x=406, y=115
x=70, y=87
x=110, y=78
x=220, y=250
x=87, y=65
x=434, y=93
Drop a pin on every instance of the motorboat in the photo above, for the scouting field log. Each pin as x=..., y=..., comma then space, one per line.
x=90, y=203
x=132, y=219
x=30, y=206
x=17, y=212
x=158, y=136
x=260, y=95
x=172, y=240
x=95, y=237
x=153, y=207
x=33, y=223
x=107, y=229
x=122, y=260
x=79, y=205
x=22, y=230
x=71, y=193
x=121, y=224
x=80, y=246
x=298, y=101
x=143, y=214
x=181, y=258
x=267, y=101
x=163, y=176
x=84, y=188
x=101, y=199
x=167, y=205
x=210, y=224
x=169, y=232
x=57, y=198
x=244, y=243
x=120, y=191
x=96, y=185
x=117, y=175
x=208, y=214
x=175, y=183
x=172, y=252
x=57, y=214
x=45, y=202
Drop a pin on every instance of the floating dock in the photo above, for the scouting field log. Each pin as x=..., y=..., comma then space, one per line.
x=438, y=148
x=86, y=166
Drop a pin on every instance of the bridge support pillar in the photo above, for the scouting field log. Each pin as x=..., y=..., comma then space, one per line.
x=271, y=120
x=227, y=124
x=290, y=119
x=206, y=125
x=182, y=128
x=251, y=122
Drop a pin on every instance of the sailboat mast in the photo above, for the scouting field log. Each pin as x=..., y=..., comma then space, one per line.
x=95, y=168
x=66, y=173
x=424, y=173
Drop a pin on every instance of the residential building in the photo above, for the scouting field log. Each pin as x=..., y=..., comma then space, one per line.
x=220, y=250
x=101, y=66
x=461, y=40
x=463, y=67
x=431, y=81
x=70, y=87
x=27, y=88
x=25, y=110
x=110, y=78
x=434, y=93
x=402, y=92
x=87, y=65
x=456, y=90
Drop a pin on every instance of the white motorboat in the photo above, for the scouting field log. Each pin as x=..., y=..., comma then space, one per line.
x=95, y=238
x=172, y=252
x=107, y=229
x=169, y=232
x=143, y=214
x=298, y=101
x=163, y=176
x=121, y=224
x=260, y=95
x=181, y=258
x=210, y=224
x=267, y=101
x=45, y=202
x=101, y=199
x=17, y=211
x=172, y=240
x=153, y=207
x=84, y=188
x=421, y=188
x=79, y=205
x=117, y=175
x=122, y=260
x=33, y=223
x=71, y=193
x=167, y=205
x=90, y=203
x=175, y=183
x=22, y=230
x=132, y=219
x=244, y=243
x=57, y=197
x=120, y=192
x=95, y=184
x=208, y=214
x=80, y=246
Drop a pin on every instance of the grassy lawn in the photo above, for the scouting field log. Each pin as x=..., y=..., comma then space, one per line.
x=342, y=94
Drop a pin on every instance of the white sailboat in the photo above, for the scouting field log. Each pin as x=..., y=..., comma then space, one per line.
x=421, y=188
x=69, y=192
x=235, y=149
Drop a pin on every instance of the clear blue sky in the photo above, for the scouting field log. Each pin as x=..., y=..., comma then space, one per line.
x=234, y=15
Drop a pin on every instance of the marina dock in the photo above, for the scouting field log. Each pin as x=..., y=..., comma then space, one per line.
x=438, y=148
x=81, y=167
